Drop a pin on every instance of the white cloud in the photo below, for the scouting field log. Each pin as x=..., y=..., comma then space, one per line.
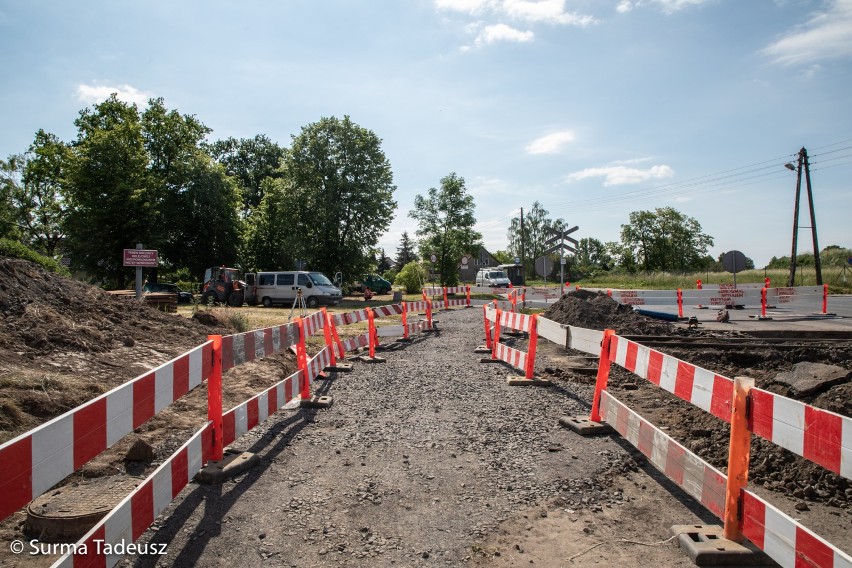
x=624, y=6
x=502, y=32
x=91, y=94
x=827, y=35
x=550, y=144
x=621, y=175
x=672, y=6
x=546, y=11
x=549, y=11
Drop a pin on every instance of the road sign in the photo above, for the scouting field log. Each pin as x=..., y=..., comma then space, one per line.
x=543, y=266
x=433, y=258
x=140, y=257
x=464, y=261
x=734, y=261
x=517, y=260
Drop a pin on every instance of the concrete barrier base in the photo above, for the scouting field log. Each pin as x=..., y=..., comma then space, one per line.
x=516, y=381
x=706, y=546
x=490, y=360
x=583, y=426
x=368, y=359
x=232, y=463
x=316, y=402
x=482, y=349
x=339, y=368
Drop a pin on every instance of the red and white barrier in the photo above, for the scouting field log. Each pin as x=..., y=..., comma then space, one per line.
x=39, y=459
x=705, y=389
x=251, y=345
x=692, y=474
x=254, y=411
x=785, y=540
x=525, y=361
x=132, y=517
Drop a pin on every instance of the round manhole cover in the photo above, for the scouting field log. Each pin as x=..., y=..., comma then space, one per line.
x=67, y=513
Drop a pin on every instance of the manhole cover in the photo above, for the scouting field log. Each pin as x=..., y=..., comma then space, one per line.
x=67, y=513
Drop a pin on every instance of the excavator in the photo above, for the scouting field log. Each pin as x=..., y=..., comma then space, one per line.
x=223, y=286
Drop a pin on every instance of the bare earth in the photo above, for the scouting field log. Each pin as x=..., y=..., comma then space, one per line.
x=427, y=459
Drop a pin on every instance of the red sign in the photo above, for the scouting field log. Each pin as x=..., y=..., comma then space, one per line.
x=139, y=257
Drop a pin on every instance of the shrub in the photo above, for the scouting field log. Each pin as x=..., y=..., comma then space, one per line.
x=411, y=278
x=14, y=249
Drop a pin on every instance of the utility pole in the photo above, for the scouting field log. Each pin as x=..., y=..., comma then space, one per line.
x=803, y=165
x=523, y=256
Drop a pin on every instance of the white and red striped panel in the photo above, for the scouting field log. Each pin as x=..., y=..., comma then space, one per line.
x=456, y=302
x=514, y=320
x=419, y=306
x=255, y=410
x=318, y=362
x=820, y=436
x=350, y=317
x=510, y=355
x=313, y=323
x=433, y=291
x=390, y=331
x=353, y=343
x=387, y=311
x=695, y=476
x=243, y=347
x=132, y=517
x=703, y=388
x=33, y=462
x=418, y=326
x=785, y=541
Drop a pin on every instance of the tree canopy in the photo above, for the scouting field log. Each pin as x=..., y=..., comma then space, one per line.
x=663, y=239
x=446, y=222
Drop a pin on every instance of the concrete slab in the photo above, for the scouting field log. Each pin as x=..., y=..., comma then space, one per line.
x=339, y=368
x=368, y=359
x=233, y=463
x=516, y=381
x=810, y=378
x=316, y=402
x=583, y=426
x=706, y=546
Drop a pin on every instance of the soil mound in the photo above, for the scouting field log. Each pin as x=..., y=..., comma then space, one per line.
x=594, y=310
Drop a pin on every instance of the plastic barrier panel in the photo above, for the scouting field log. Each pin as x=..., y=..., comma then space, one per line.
x=786, y=541
x=243, y=417
x=552, y=331
x=705, y=389
x=39, y=459
x=244, y=347
x=692, y=474
x=106, y=543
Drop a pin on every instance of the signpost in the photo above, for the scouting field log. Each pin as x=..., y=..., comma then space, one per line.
x=140, y=258
x=558, y=240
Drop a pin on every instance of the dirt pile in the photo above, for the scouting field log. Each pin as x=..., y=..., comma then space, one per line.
x=65, y=342
x=772, y=467
x=594, y=310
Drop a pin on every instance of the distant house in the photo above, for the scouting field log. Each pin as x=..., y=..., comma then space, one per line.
x=479, y=258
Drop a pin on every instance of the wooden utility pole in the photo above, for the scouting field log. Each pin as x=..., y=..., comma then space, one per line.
x=804, y=166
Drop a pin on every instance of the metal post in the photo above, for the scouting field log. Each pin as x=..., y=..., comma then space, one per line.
x=139, y=275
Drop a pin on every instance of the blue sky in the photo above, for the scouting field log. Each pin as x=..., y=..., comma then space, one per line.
x=595, y=108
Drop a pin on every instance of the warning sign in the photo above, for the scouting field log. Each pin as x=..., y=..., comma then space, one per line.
x=140, y=257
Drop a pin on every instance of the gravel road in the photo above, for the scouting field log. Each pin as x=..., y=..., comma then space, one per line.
x=428, y=458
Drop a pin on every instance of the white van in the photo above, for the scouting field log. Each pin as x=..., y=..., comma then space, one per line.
x=491, y=277
x=271, y=288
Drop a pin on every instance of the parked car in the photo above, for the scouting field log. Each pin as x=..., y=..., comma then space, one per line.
x=492, y=278
x=375, y=283
x=168, y=288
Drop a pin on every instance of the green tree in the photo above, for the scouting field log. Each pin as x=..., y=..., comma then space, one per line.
x=411, y=277
x=250, y=161
x=110, y=206
x=665, y=239
x=41, y=207
x=592, y=255
x=536, y=231
x=11, y=171
x=446, y=222
x=338, y=184
x=269, y=243
x=405, y=253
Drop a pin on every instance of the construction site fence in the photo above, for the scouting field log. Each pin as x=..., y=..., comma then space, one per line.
x=33, y=462
x=497, y=319
x=820, y=436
